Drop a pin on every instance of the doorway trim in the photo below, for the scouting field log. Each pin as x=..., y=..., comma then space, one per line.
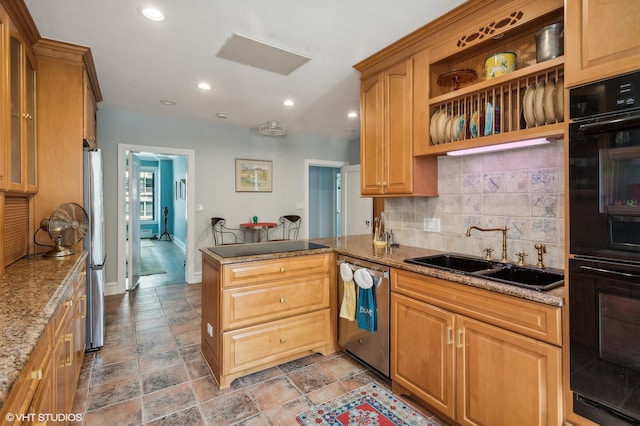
x=315, y=163
x=190, y=247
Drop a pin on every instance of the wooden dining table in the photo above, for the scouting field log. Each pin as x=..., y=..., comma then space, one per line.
x=256, y=227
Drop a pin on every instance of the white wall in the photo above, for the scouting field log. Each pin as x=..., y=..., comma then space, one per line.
x=216, y=146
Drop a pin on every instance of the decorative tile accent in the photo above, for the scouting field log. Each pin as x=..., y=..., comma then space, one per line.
x=544, y=180
x=543, y=206
x=492, y=183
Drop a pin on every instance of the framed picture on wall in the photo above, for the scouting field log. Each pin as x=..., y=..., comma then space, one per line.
x=253, y=175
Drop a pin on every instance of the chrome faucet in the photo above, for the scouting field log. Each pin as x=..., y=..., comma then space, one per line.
x=503, y=229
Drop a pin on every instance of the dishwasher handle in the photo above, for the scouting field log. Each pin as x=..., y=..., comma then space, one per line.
x=383, y=272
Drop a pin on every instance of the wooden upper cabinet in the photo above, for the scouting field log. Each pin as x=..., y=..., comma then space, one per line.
x=388, y=167
x=90, y=109
x=603, y=39
x=398, y=143
x=4, y=98
x=64, y=72
x=371, y=140
x=21, y=150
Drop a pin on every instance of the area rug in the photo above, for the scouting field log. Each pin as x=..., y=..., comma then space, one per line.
x=370, y=405
x=149, y=262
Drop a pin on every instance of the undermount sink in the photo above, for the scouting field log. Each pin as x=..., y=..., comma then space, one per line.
x=537, y=279
x=522, y=276
x=453, y=262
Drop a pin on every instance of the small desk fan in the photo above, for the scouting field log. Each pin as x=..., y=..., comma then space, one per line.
x=66, y=226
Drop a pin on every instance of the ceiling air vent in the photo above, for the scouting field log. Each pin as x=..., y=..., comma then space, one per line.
x=272, y=128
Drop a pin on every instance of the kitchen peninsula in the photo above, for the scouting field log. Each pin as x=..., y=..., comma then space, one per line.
x=264, y=304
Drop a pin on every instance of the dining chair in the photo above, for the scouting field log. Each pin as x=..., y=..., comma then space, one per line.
x=287, y=229
x=223, y=235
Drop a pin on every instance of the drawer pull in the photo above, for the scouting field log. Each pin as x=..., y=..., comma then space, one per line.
x=282, y=269
x=459, y=339
x=69, y=339
x=36, y=374
x=282, y=300
x=283, y=340
x=83, y=300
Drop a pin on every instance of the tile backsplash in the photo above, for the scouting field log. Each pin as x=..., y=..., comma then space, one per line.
x=522, y=189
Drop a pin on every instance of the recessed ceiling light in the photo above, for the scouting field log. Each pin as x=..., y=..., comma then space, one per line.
x=288, y=102
x=352, y=114
x=204, y=86
x=152, y=14
x=167, y=102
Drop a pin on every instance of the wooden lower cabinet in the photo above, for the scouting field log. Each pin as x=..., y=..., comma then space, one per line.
x=47, y=385
x=470, y=371
x=251, y=347
x=259, y=314
x=80, y=323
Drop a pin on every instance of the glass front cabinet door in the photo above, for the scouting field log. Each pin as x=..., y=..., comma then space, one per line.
x=22, y=170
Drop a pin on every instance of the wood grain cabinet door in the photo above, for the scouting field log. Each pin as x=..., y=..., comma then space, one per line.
x=602, y=39
x=398, y=167
x=423, y=357
x=504, y=378
x=371, y=128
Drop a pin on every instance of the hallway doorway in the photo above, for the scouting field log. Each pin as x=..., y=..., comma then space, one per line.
x=322, y=198
x=156, y=191
x=162, y=262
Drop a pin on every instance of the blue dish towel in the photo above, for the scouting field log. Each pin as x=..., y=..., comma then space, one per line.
x=367, y=307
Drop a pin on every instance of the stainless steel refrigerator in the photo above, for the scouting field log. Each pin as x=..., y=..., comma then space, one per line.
x=94, y=243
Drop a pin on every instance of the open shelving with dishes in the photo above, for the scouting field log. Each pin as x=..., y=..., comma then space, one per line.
x=525, y=103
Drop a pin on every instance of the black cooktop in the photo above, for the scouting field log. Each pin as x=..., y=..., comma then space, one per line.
x=254, y=249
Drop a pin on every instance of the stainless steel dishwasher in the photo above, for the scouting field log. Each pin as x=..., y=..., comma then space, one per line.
x=370, y=347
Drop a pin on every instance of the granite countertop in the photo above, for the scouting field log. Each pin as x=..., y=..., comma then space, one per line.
x=361, y=246
x=30, y=292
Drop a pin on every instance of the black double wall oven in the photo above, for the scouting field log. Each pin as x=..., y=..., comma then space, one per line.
x=604, y=266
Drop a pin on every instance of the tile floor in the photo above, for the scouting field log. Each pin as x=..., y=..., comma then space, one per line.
x=151, y=372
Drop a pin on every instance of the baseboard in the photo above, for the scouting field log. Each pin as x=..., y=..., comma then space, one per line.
x=113, y=288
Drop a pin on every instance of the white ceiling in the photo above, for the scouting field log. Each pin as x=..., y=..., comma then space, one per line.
x=140, y=62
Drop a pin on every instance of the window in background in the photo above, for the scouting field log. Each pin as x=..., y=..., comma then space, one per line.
x=148, y=194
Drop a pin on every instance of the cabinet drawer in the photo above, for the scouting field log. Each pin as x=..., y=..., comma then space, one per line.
x=238, y=274
x=64, y=309
x=31, y=380
x=531, y=319
x=245, y=306
x=266, y=343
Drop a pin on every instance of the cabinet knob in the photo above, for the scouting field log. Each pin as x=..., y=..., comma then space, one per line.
x=282, y=300
x=36, y=374
x=283, y=340
x=282, y=269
